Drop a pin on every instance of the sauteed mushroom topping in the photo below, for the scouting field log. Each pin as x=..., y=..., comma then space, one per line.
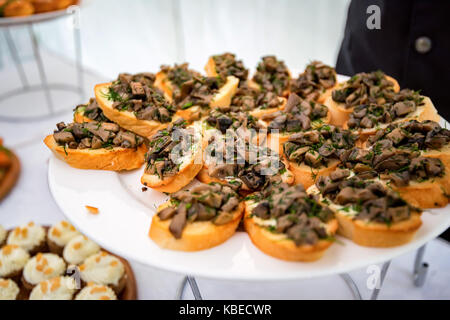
x=95, y=135
x=316, y=148
x=371, y=115
x=204, y=202
x=299, y=216
x=198, y=92
x=136, y=94
x=92, y=111
x=168, y=149
x=232, y=120
x=313, y=82
x=364, y=88
x=227, y=65
x=363, y=199
x=400, y=166
x=412, y=135
x=272, y=75
x=248, y=99
x=242, y=163
x=298, y=115
x=178, y=75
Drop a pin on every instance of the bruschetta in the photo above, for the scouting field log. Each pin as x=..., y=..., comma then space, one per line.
x=403, y=106
x=257, y=103
x=134, y=105
x=298, y=115
x=422, y=181
x=174, y=157
x=286, y=223
x=197, y=219
x=316, y=152
x=96, y=145
x=428, y=137
x=89, y=112
x=247, y=126
x=225, y=65
x=171, y=81
x=369, y=213
x=234, y=159
x=316, y=83
x=271, y=75
x=194, y=94
x=362, y=88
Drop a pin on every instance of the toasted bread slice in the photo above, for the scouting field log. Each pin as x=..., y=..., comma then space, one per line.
x=433, y=193
x=226, y=92
x=425, y=112
x=193, y=113
x=278, y=245
x=340, y=114
x=126, y=119
x=278, y=139
x=327, y=93
x=221, y=99
x=79, y=117
x=373, y=234
x=260, y=112
x=163, y=83
x=189, y=168
x=307, y=176
x=210, y=68
x=114, y=159
x=197, y=235
x=254, y=85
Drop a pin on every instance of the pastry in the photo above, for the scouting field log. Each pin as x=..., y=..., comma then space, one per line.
x=59, y=235
x=96, y=292
x=106, y=269
x=78, y=249
x=41, y=267
x=30, y=237
x=12, y=261
x=58, y=288
x=9, y=290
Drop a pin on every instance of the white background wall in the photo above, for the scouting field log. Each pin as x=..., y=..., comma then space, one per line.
x=136, y=35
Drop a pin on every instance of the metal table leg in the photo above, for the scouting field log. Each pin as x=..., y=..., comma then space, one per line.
x=384, y=270
x=420, y=268
x=16, y=58
x=352, y=285
x=194, y=287
x=78, y=56
x=40, y=65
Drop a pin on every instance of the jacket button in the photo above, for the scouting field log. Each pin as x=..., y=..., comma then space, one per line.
x=423, y=44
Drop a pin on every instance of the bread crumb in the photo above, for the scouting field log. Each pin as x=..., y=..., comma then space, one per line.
x=92, y=210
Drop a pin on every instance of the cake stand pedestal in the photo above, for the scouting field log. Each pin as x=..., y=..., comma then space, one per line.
x=7, y=24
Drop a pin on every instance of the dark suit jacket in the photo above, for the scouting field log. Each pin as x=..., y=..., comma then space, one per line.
x=393, y=47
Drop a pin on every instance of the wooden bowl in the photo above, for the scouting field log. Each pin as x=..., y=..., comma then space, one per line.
x=11, y=176
x=128, y=293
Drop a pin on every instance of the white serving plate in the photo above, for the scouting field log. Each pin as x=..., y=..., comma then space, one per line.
x=125, y=215
x=124, y=221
